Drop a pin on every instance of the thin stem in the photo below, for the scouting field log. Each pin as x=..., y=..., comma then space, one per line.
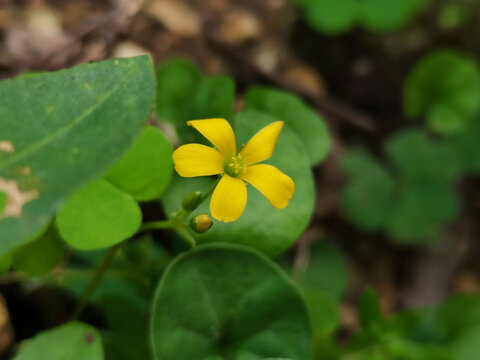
x=155, y=225
x=95, y=281
x=177, y=220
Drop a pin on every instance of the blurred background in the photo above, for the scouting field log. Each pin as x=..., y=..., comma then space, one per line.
x=398, y=196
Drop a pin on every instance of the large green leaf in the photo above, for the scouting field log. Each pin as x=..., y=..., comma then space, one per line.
x=97, y=216
x=65, y=129
x=145, y=170
x=226, y=301
x=445, y=87
x=261, y=226
x=303, y=120
x=72, y=341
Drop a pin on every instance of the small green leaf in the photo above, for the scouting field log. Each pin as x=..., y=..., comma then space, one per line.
x=214, y=98
x=421, y=159
x=331, y=16
x=98, y=216
x=72, y=341
x=185, y=94
x=261, y=226
x=420, y=211
x=177, y=81
x=226, y=301
x=324, y=312
x=369, y=310
x=445, y=87
x=303, y=120
x=466, y=146
x=145, y=170
x=6, y=262
x=368, y=195
x=3, y=201
x=324, y=260
x=380, y=15
x=40, y=256
x=65, y=129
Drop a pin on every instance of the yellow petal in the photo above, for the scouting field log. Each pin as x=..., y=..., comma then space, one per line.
x=219, y=133
x=277, y=187
x=228, y=199
x=260, y=146
x=197, y=160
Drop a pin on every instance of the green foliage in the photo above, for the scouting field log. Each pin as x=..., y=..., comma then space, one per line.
x=338, y=16
x=228, y=301
x=3, y=201
x=368, y=195
x=412, y=202
x=84, y=119
x=145, y=171
x=445, y=88
x=26, y=258
x=325, y=259
x=261, y=226
x=305, y=122
x=98, y=216
x=72, y=341
x=184, y=94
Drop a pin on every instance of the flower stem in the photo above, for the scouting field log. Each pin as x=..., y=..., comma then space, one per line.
x=177, y=220
x=95, y=281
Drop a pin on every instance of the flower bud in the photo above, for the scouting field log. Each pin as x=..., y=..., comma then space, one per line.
x=201, y=223
x=192, y=200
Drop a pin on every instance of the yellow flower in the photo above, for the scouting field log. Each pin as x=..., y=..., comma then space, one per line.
x=230, y=195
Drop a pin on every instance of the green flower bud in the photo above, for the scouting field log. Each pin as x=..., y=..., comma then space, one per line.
x=192, y=200
x=201, y=223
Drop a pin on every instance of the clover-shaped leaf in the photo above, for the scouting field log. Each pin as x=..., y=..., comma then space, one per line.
x=445, y=88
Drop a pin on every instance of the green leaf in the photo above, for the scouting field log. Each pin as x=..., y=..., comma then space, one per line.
x=40, y=256
x=261, y=226
x=324, y=260
x=445, y=87
x=466, y=146
x=324, y=312
x=214, y=98
x=368, y=195
x=3, y=201
x=145, y=170
x=128, y=324
x=380, y=15
x=98, y=216
x=420, y=159
x=419, y=212
x=184, y=94
x=177, y=81
x=369, y=311
x=331, y=16
x=226, y=301
x=66, y=129
x=72, y=341
x=303, y=120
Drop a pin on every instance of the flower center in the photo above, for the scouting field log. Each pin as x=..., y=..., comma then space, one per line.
x=235, y=166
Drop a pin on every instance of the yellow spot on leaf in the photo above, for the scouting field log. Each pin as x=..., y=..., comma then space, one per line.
x=6, y=146
x=16, y=199
x=86, y=85
x=49, y=109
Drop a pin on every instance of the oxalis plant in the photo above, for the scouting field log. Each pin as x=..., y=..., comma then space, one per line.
x=84, y=167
